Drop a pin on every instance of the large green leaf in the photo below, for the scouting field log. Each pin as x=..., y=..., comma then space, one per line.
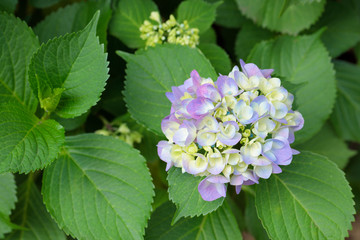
x=77, y=16
x=311, y=199
x=217, y=56
x=327, y=143
x=99, y=188
x=7, y=201
x=27, y=143
x=342, y=22
x=346, y=114
x=17, y=45
x=153, y=72
x=302, y=60
x=183, y=191
x=69, y=73
x=286, y=16
x=248, y=36
x=197, y=13
x=31, y=215
x=238, y=213
x=228, y=14
x=252, y=220
x=8, y=5
x=127, y=19
x=219, y=225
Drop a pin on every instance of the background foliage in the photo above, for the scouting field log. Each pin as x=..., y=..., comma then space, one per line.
x=70, y=68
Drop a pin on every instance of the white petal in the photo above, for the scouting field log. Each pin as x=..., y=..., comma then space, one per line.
x=263, y=171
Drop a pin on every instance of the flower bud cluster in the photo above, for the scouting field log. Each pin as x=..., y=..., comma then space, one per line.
x=233, y=131
x=154, y=32
x=121, y=131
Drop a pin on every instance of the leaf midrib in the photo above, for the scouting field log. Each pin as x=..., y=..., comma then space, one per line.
x=23, y=139
x=66, y=152
x=298, y=201
x=13, y=73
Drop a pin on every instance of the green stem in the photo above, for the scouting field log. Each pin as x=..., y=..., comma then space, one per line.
x=45, y=116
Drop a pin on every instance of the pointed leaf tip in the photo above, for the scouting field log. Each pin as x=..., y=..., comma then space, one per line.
x=94, y=21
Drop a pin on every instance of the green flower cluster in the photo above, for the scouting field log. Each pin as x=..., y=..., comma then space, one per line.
x=155, y=32
x=121, y=131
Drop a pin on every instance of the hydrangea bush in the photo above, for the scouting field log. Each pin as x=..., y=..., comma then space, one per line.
x=129, y=119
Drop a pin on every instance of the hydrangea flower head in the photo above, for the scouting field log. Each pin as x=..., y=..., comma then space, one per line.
x=233, y=131
x=154, y=32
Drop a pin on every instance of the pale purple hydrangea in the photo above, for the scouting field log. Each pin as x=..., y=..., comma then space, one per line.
x=233, y=131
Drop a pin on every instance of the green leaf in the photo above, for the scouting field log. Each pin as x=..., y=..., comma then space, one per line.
x=220, y=224
x=310, y=199
x=43, y=3
x=302, y=60
x=238, y=213
x=248, y=37
x=228, y=15
x=99, y=188
x=31, y=215
x=342, y=23
x=7, y=201
x=217, y=56
x=183, y=191
x=286, y=16
x=77, y=16
x=346, y=114
x=28, y=143
x=71, y=124
x=253, y=222
x=154, y=73
x=197, y=13
x=161, y=197
x=72, y=67
x=8, y=5
x=127, y=18
x=17, y=45
x=328, y=144
x=209, y=36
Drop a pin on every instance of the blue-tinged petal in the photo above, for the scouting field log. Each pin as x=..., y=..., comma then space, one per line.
x=251, y=152
x=186, y=134
x=260, y=105
x=251, y=69
x=212, y=187
x=229, y=134
x=195, y=165
x=263, y=171
x=216, y=162
x=278, y=110
x=164, y=152
x=169, y=126
x=200, y=107
x=209, y=123
x=227, y=86
x=208, y=91
x=244, y=113
x=206, y=138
